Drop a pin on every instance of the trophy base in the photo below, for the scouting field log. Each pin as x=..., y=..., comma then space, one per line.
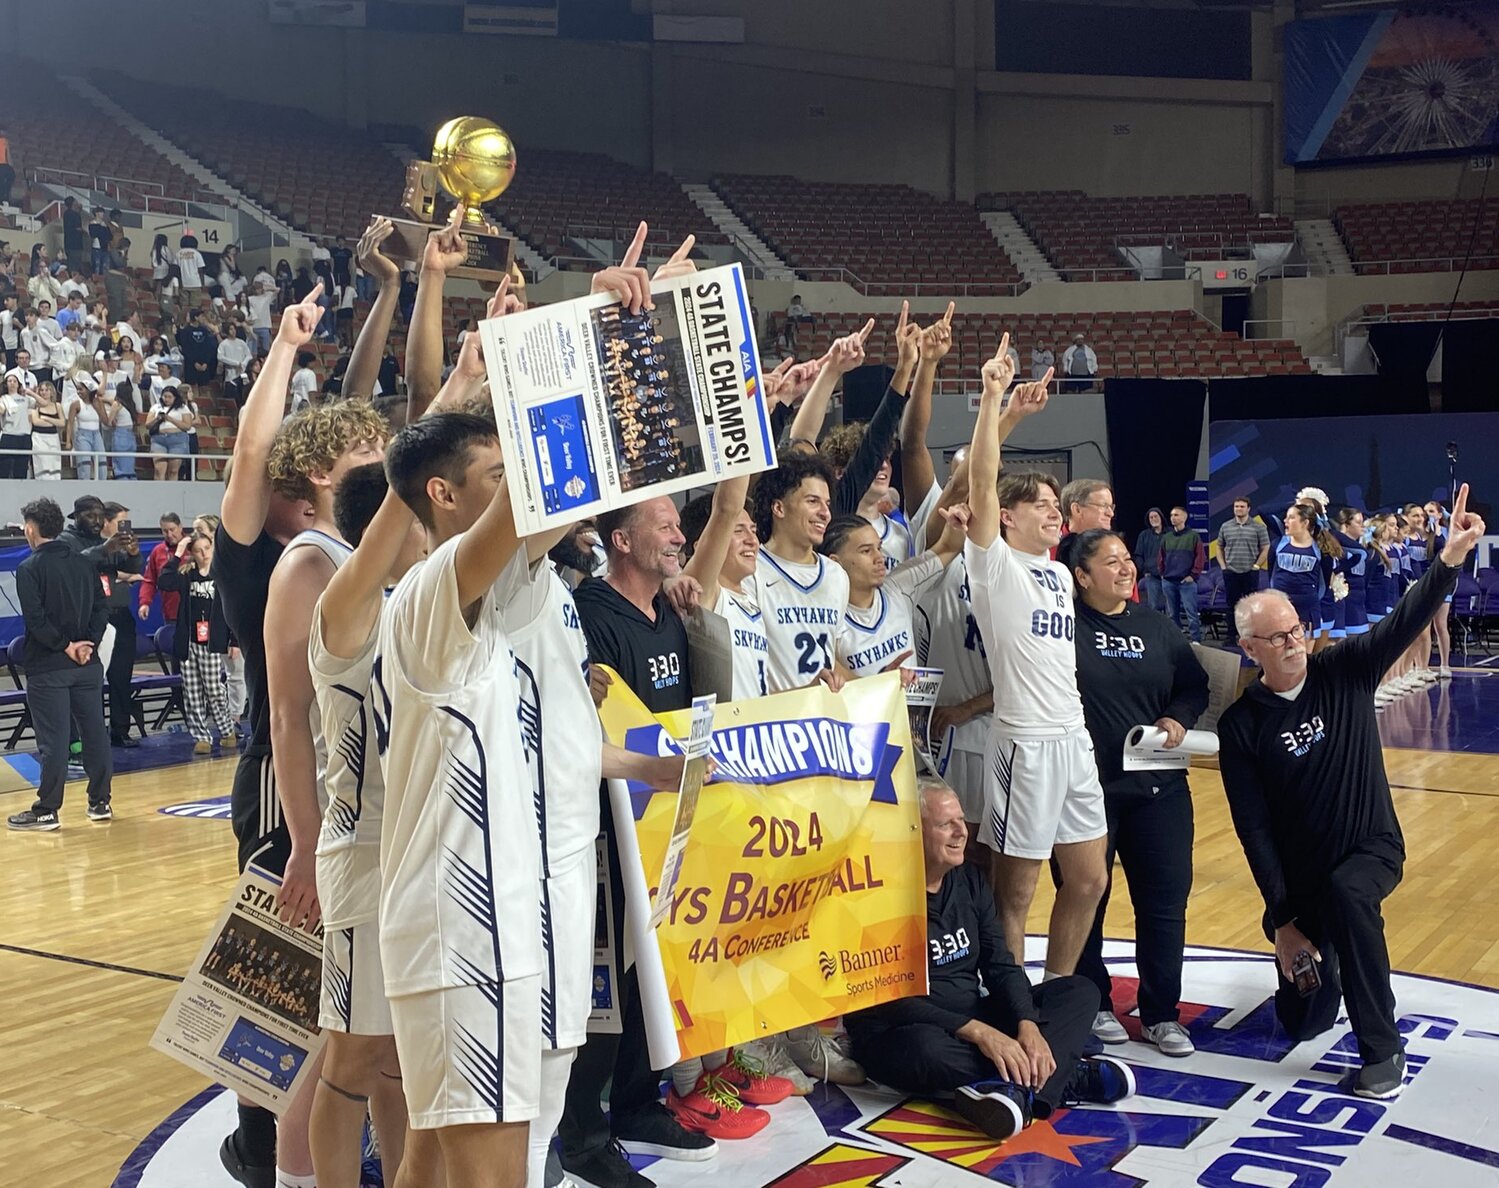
x=489, y=253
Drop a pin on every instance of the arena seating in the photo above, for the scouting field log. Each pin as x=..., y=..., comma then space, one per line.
x=1431, y=310
x=321, y=177
x=1164, y=344
x=1426, y=236
x=1081, y=234
x=52, y=128
x=560, y=195
x=893, y=239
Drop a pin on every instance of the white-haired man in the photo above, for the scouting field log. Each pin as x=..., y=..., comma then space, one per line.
x=1306, y=784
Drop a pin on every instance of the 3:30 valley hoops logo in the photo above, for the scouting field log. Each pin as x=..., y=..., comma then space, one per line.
x=1248, y=1109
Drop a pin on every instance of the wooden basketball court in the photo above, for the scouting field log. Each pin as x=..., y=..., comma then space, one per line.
x=97, y=921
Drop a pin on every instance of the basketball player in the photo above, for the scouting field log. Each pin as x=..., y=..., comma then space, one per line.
x=918, y=475
x=802, y=595
x=256, y=525
x=1043, y=796
x=361, y=1065
x=460, y=927
x=878, y=630
x=724, y=562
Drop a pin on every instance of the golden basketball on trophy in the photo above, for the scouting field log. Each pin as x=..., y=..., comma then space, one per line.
x=473, y=161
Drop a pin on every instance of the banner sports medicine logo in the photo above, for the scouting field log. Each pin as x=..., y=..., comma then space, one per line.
x=1247, y=1110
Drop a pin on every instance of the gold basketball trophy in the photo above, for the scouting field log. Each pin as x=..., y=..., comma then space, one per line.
x=473, y=160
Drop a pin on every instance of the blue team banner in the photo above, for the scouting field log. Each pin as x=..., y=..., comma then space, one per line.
x=1392, y=84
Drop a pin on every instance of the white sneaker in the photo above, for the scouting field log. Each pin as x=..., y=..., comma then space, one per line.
x=1444, y=673
x=1107, y=1028
x=816, y=1053
x=1426, y=676
x=1409, y=683
x=1170, y=1037
x=777, y=1060
x=1384, y=695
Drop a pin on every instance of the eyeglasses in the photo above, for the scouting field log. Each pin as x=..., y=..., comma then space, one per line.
x=1280, y=638
x=1104, y=507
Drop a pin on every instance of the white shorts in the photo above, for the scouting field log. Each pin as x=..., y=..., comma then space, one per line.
x=569, y=902
x=1040, y=793
x=965, y=775
x=353, y=994
x=470, y=1053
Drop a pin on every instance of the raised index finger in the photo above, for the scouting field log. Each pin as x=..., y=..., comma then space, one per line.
x=637, y=245
x=1460, y=504
x=866, y=332
x=952, y=308
x=317, y=291
x=684, y=251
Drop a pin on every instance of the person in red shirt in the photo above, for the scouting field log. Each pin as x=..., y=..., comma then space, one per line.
x=173, y=544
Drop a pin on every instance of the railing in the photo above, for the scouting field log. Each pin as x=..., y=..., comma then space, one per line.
x=104, y=458
x=150, y=195
x=1286, y=326
x=1447, y=264
x=904, y=289
x=1359, y=321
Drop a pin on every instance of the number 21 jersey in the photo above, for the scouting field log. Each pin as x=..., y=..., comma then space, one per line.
x=802, y=607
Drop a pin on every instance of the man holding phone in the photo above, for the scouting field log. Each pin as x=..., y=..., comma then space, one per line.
x=1305, y=777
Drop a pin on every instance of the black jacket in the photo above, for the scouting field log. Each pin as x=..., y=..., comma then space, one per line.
x=179, y=581
x=110, y=564
x=964, y=941
x=61, y=603
x=1305, y=778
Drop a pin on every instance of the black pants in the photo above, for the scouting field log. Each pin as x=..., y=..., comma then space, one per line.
x=121, y=670
x=625, y=1057
x=923, y=1058
x=260, y=832
x=57, y=700
x=1153, y=838
x=1345, y=924
x=1235, y=587
x=7, y=179
x=15, y=465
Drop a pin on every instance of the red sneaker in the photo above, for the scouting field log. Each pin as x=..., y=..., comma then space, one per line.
x=714, y=1109
x=752, y=1082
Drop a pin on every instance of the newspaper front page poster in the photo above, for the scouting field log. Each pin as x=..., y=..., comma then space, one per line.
x=599, y=408
x=246, y=1012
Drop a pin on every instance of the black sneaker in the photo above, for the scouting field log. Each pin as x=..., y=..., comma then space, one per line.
x=127, y=741
x=656, y=1132
x=101, y=813
x=608, y=1167
x=251, y=1175
x=998, y=1108
x=1381, y=1081
x=34, y=822
x=1099, y=1080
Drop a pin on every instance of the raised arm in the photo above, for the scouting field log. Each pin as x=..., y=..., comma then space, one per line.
x=713, y=545
x=444, y=252
x=843, y=356
x=364, y=362
x=995, y=423
x=917, y=470
x=247, y=496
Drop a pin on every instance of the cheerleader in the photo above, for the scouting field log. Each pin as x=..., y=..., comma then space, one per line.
x=1330, y=624
x=1298, y=568
x=1355, y=568
x=1420, y=547
x=1386, y=582
x=1436, y=522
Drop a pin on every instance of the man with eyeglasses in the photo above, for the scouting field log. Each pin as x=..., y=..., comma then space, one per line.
x=1306, y=784
x=1086, y=503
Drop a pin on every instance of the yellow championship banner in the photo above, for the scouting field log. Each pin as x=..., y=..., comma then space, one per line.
x=800, y=894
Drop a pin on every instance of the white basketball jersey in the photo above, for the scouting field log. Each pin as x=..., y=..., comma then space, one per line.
x=948, y=637
x=895, y=539
x=873, y=637
x=459, y=851
x=749, y=647
x=348, y=848
x=802, y=608
x=1023, y=606
x=564, y=743
x=337, y=552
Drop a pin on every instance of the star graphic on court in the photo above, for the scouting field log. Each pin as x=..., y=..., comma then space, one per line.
x=929, y=1128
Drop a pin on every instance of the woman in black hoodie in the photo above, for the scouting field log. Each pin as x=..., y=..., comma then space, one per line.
x=200, y=643
x=1135, y=669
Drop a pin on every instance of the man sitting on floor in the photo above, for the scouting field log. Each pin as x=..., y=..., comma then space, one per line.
x=1009, y=1057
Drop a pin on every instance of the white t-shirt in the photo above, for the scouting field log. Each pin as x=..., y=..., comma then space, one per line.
x=15, y=414
x=559, y=725
x=167, y=425
x=749, y=648
x=1023, y=606
x=802, y=608
x=260, y=308
x=348, y=848
x=63, y=354
x=872, y=638
x=459, y=849
x=27, y=378
x=346, y=298
x=190, y=264
x=947, y=637
x=10, y=329
x=303, y=385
